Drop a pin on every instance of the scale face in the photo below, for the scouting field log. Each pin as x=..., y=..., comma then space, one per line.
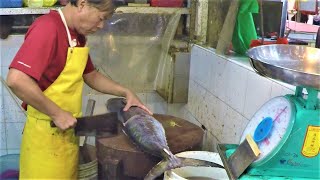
x=286, y=128
x=282, y=112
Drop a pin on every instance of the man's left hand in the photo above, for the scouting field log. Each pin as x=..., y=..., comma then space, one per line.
x=133, y=100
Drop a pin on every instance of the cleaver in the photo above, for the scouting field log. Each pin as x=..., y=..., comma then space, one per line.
x=102, y=125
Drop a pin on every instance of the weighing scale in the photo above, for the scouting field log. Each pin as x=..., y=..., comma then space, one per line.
x=286, y=128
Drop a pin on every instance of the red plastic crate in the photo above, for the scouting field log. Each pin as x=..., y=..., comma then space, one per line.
x=166, y=3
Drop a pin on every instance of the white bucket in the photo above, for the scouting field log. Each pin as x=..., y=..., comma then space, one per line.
x=203, y=173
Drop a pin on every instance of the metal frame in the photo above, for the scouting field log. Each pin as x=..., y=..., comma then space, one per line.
x=222, y=148
x=23, y=11
x=152, y=10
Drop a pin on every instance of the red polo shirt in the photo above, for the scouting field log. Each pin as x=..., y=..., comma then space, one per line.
x=44, y=51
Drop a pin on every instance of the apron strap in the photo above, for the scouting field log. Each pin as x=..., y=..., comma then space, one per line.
x=71, y=42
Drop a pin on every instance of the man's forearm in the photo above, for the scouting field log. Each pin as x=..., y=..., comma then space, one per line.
x=28, y=91
x=99, y=82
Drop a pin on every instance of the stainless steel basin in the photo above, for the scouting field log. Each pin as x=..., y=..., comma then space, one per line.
x=293, y=64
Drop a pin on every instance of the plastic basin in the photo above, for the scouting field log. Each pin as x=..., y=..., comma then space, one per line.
x=9, y=166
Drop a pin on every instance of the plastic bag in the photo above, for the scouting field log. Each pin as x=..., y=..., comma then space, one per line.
x=132, y=49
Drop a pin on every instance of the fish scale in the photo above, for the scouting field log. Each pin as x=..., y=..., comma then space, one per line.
x=154, y=134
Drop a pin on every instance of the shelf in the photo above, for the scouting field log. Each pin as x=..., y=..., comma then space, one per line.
x=124, y=9
x=25, y=10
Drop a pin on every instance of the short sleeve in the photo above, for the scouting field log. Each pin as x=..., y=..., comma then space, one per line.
x=39, y=46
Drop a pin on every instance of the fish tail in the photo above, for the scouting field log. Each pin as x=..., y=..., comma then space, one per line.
x=165, y=165
x=197, y=162
x=157, y=170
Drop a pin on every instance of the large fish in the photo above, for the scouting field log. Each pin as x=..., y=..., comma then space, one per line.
x=148, y=134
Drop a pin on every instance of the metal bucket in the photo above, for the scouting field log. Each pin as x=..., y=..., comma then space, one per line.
x=203, y=173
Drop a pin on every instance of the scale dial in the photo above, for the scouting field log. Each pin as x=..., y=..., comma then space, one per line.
x=282, y=112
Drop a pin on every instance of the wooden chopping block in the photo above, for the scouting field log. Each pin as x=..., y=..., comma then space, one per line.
x=119, y=158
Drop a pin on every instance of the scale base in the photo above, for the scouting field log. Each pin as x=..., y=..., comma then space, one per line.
x=258, y=172
x=249, y=177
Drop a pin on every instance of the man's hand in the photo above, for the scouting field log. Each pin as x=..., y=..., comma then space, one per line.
x=64, y=120
x=133, y=100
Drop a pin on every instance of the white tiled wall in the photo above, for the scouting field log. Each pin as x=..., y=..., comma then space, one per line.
x=224, y=93
x=3, y=143
x=14, y=132
x=258, y=92
x=11, y=116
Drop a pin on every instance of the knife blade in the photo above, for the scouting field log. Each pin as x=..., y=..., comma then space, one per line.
x=98, y=125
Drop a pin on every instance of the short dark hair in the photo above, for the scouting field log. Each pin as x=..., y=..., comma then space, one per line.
x=102, y=5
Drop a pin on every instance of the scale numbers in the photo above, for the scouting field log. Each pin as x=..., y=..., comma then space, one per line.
x=280, y=110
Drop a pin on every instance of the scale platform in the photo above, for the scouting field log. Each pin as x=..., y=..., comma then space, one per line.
x=286, y=128
x=295, y=65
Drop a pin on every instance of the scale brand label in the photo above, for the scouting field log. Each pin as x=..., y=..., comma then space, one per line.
x=311, y=145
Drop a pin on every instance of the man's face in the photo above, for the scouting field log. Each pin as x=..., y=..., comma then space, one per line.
x=91, y=19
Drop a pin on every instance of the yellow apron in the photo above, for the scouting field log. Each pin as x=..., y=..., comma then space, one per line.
x=47, y=153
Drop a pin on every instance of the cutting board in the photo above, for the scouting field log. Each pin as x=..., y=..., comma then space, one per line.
x=119, y=158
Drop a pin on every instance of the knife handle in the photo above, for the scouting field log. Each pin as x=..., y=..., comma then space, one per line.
x=52, y=124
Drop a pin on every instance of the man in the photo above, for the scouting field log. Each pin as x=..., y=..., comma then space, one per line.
x=48, y=73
